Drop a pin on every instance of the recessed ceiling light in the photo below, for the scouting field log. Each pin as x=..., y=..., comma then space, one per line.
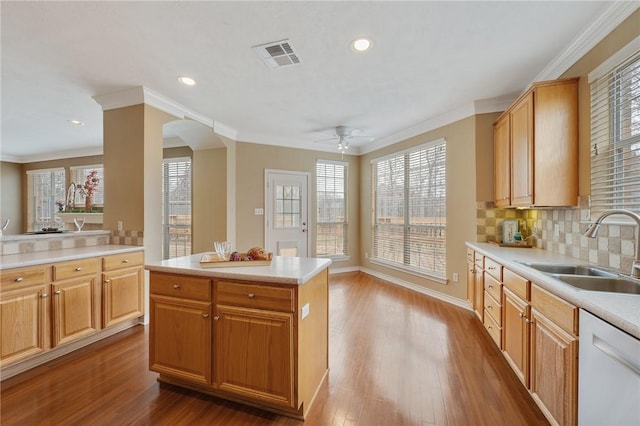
x=75, y=122
x=187, y=81
x=361, y=44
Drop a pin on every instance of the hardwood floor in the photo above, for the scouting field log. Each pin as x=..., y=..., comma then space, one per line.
x=397, y=357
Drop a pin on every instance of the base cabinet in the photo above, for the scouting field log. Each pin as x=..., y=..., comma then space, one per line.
x=515, y=334
x=255, y=354
x=122, y=288
x=24, y=314
x=74, y=313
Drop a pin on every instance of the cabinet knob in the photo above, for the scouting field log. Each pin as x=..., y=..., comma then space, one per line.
x=251, y=295
x=79, y=268
x=125, y=261
x=176, y=286
x=521, y=315
x=489, y=307
x=491, y=268
x=489, y=327
x=216, y=318
x=489, y=286
x=107, y=281
x=205, y=315
x=18, y=280
x=44, y=295
x=57, y=292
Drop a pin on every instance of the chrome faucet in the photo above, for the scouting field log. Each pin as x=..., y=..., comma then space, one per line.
x=592, y=231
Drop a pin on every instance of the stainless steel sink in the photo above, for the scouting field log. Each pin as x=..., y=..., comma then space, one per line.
x=599, y=283
x=555, y=268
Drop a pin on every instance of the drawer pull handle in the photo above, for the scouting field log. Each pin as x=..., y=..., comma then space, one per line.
x=251, y=295
x=490, y=286
x=176, y=286
x=205, y=315
x=216, y=318
x=489, y=307
x=125, y=261
x=107, y=281
x=79, y=268
x=57, y=292
x=44, y=295
x=491, y=268
x=521, y=315
x=19, y=280
x=489, y=327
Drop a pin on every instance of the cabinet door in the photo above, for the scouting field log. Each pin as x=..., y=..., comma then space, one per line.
x=515, y=334
x=180, y=338
x=554, y=372
x=478, y=283
x=254, y=354
x=502, y=162
x=470, y=283
x=522, y=152
x=24, y=317
x=122, y=295
x=74, y=313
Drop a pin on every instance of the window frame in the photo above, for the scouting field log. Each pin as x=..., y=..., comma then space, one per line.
x=345, y=222
x=98, y=195
x=436, y=274
x=32, y=210
x=166, y=249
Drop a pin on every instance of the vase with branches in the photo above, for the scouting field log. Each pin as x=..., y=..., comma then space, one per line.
x=88, y=188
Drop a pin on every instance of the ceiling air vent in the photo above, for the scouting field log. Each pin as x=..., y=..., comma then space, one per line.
x=277, y=54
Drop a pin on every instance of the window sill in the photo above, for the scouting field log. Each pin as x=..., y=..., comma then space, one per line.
x=437, y=278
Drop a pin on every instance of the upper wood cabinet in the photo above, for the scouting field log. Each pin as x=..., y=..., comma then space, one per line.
x=536, y=147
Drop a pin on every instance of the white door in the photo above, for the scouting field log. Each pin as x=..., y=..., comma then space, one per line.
x=286, y=221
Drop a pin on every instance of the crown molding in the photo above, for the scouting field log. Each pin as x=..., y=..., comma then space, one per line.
x=584, y=42
x=58, y=155
x=143, y=95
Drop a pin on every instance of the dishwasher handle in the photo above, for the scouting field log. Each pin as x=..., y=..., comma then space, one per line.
x=610, y=351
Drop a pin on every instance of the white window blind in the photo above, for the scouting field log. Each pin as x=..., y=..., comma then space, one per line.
x=409, y=224
x=615, y=137
x=176, y=207
x=331, y=193
x=79, y=177
x=44, y=189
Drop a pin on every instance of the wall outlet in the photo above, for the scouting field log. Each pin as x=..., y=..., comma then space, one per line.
x=120, y=225
x=456, y=278
x=305, y=311
x=259, y=212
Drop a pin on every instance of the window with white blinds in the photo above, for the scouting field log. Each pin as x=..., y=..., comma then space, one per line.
x=44, y=189
x=331, y=193
x=615, y=134
x=79, y=176
x=409, y=205
x=176, y=207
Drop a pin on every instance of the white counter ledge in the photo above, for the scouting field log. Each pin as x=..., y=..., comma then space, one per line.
x=51, y=256
x=620, y=309
x=285, y=270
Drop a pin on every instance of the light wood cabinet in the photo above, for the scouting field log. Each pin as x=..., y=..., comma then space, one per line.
x=180, y=334
x=470, y=278
x=515, y=334
x=478, y=284
x=265, y=344
x=542, y=135
x=24, y=314
x=502, y=161
x=554, y=356
x=74, y=309
x=122, y=288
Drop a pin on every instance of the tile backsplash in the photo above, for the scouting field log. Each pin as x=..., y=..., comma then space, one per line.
x=561, y=231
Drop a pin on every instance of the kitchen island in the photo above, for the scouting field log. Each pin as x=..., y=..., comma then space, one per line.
x=252, y=334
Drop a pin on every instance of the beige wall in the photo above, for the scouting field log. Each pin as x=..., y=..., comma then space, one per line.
x=461, y=200
x=617, y=39
x=209, y=198
x=11, y=196
x=253, y=159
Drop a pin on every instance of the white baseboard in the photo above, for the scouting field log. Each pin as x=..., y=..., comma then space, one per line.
x=411, y=286
x=345, y=269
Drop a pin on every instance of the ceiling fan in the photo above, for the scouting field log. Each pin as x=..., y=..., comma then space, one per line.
x=344, y=135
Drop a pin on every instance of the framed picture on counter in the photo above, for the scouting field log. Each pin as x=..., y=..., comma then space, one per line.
x=509, y=229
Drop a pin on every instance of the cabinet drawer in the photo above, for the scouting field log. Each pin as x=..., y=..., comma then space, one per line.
x=75, y=268
x=493, y=287
x=562, y=313
x=478, y=259
x=21, y=277
x=256, y=296
x=517, y=284
x=493, y=268
x=493, y=308
x=180, y=286
x=124, y=260
x=470, y=255
x=495, y=331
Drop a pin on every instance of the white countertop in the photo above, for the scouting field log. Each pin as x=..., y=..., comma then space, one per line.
x=6, y=238
x=51, y=256
x=285, y=270
x=621, y=310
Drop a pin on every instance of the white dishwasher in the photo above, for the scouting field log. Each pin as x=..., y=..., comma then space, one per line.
x=608, y=374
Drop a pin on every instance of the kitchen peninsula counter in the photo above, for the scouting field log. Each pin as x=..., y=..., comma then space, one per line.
x=251, y=334
x=18, y=260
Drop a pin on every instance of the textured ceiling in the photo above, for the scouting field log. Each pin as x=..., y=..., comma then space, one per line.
x=428, y=59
